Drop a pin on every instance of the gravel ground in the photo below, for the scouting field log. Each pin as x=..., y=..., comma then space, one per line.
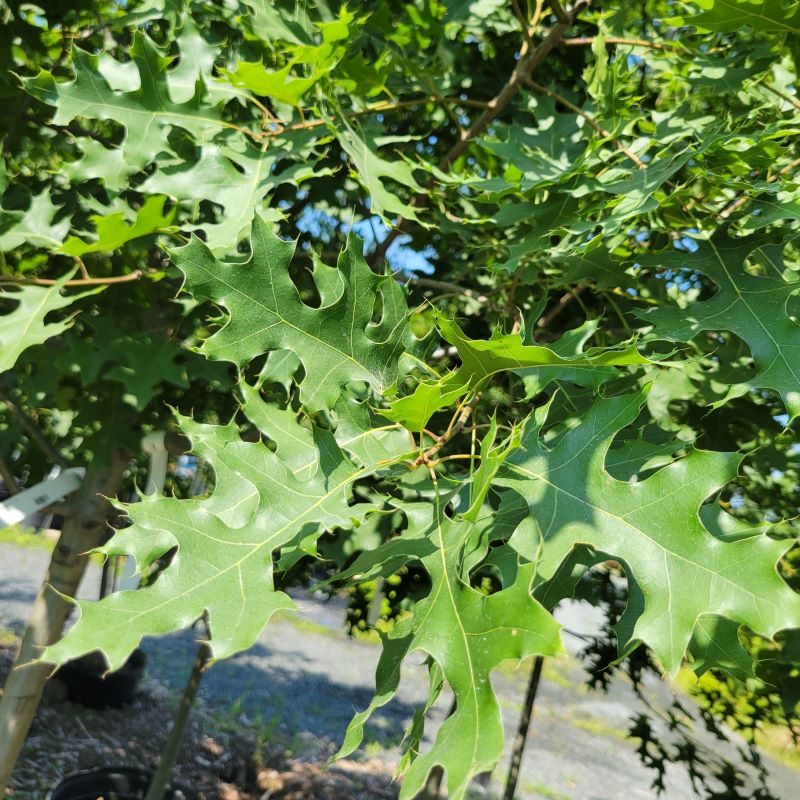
x=303, y=680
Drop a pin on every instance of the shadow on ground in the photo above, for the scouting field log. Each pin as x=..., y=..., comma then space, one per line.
x=275, y=689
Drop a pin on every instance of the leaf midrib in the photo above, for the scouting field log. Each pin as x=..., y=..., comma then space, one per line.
x=169, y=522
x=281, y=319
x=623, y=521
x=742, y=296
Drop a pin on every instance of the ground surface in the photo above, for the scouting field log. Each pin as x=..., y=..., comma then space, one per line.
x=297, y=689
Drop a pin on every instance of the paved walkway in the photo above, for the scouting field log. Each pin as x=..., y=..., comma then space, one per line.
x=306, y=679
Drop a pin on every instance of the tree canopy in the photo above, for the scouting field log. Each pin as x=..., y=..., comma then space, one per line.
x=495, y=291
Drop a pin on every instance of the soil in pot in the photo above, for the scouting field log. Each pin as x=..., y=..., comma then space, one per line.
x=86, y=683
x=112, y=783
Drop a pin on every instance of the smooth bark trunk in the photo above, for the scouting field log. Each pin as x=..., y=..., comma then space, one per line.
x=83, y=530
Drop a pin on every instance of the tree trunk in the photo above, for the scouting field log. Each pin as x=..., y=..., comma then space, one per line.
x=518, y=748
x=169, y=753
x=83, y=530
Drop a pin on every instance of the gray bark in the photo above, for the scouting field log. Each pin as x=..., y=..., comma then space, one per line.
x=83, y=530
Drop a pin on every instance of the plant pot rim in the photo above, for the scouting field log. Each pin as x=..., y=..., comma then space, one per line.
x=135, y=663
x=100, y=772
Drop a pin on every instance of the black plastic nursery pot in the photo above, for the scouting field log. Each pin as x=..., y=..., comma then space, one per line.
x=112, y=783
x=86, y=684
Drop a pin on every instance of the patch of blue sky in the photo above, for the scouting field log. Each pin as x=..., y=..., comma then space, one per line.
x=320, y=225
x=681, y=278
x=686, y=242
x=317, y=224
x=400, y=256
x=641, y=236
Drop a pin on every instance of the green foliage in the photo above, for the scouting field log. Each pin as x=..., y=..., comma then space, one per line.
x=481, y=634
x=24, y=325
x=602, y=365
x=682, y=571
x=147, y=112
x=753, y=307
x=729, y=15
x=225, y=543
x=112, y=232
x=336, y=343
x=481, y=360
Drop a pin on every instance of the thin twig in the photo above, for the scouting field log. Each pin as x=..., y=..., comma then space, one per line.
x=518, y=13
x=458, y=422
x=512, y=289
x=736, y=204
x=529, y=60
x=518, y=747
x=10, y=482
x=537, y=16
x=582, y=41
x=563, y=302
x=82, y=267
x=375, y=108
x=456, y=457
x=589, y=119
x=445, y=286
x=785, y=97
x=133, y=276
x=170, y=748
x=558, y=10
x=32, y=431
x=784, y=170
